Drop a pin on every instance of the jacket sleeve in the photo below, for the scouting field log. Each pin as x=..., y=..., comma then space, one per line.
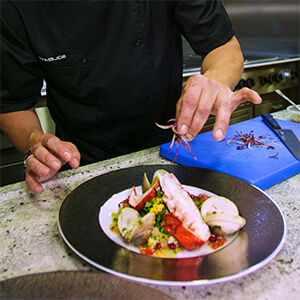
x=21, y=78
x=204, y=23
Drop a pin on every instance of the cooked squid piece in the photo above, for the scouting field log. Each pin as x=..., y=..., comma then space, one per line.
x=225, y=224
x=127, y=221
x=143, y=230
x=133, y=228
x=222, y=216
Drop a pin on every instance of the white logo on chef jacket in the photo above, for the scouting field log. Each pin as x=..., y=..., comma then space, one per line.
x=51, y=59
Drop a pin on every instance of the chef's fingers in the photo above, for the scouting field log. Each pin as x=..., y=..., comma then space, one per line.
x=192, y=113
x=196, y=103
x=75, y=156
x=43, y=161
x=187, y=104
x=243, y=95
x=39, y=168
x=32, y=182
x=62, y=152
x=206, y=102
x=49, y=154
x=226, y=104
x=57, y=148
x=223, y=110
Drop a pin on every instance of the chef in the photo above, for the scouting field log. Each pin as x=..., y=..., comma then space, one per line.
x=113, y=69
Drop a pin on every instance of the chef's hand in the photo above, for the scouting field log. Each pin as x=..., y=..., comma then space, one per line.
x=49, y=155
x=203, y=96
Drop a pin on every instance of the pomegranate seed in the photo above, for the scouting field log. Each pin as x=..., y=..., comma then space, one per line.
x=212, y=238
x=172, y=246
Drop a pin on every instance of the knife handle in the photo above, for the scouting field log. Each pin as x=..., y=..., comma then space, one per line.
x=271, y=122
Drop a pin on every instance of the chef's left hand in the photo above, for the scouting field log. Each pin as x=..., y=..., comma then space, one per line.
x=203, y=96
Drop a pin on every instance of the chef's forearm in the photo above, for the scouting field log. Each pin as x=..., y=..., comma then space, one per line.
x=22, y=128
x=224, y=64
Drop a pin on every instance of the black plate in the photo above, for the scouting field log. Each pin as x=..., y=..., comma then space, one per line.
x=75, y=285
x=256, y=245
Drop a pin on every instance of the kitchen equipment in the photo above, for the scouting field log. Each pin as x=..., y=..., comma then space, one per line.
x=256, y=245
x=295, y=114
x=287, y=136
x=261, y=166
x=280, y=93
x=75, y=285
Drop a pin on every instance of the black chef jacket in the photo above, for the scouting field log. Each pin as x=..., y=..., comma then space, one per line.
x=112, y=68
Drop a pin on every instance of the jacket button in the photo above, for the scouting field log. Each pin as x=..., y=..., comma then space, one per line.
x=138, y=42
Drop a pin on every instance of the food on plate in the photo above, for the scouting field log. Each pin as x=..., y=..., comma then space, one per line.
x=134, y=228
x=166, y=218
x=181, y=205
x=222, y=216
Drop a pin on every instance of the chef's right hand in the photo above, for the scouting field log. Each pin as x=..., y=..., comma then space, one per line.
x=49, y=155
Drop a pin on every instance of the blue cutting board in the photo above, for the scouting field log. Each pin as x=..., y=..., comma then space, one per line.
x=254, y=166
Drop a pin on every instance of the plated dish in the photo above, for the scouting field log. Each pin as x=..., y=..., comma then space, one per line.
x=257, y=243
x=166, y=219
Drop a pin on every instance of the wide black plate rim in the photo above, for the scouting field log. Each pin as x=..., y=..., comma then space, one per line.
x=242, y=273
